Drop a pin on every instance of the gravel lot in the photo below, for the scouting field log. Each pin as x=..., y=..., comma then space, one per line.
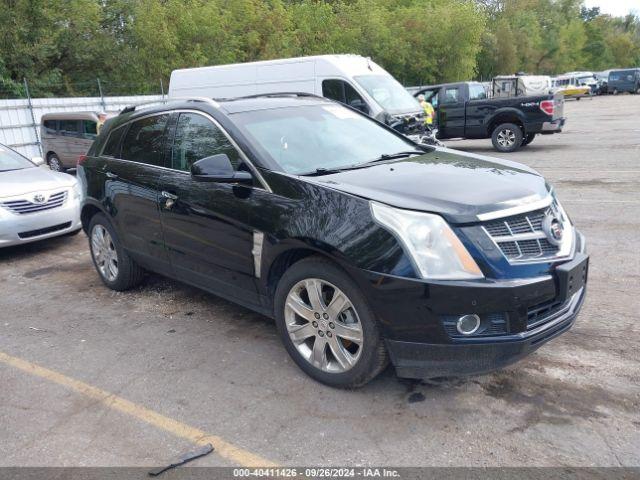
x=220, y=368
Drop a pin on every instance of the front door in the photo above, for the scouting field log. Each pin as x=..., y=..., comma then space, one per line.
x=451, y=116
x=205, y=223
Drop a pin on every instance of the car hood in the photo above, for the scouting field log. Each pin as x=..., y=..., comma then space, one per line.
x=32, y=180
x=457, y=185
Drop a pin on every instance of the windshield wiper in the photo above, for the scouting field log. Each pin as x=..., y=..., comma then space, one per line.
x=355, y=166
x=393, y=156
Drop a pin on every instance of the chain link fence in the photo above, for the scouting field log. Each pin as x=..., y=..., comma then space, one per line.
x=20, y=113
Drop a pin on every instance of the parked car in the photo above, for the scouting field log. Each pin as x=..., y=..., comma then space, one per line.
x=361, y=244
x=464, y=111
x=68, y=135
x=627, y=80
x=350, y=79
x=35, y=203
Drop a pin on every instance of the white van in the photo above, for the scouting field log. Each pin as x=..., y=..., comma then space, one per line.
x=351, y=79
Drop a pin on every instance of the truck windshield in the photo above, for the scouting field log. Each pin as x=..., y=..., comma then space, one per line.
x=388, y=93
x=10, y=160
x=305, y=139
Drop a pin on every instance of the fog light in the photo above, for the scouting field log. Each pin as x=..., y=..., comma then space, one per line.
x=468, y=324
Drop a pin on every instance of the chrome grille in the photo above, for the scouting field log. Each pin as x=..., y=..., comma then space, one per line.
x=521, y=237
x=24, y=206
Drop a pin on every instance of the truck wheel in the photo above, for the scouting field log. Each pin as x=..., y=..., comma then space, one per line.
x=327, y=326
x=528, y=139
x=507, y=137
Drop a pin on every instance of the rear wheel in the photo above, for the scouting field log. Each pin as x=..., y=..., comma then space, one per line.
x=116, y=268
x=507, y=137
x=54, y=163
x=326, y=325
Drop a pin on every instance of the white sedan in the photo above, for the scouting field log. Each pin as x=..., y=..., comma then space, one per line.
x=35, y=203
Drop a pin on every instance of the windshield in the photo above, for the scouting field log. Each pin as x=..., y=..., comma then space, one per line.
x=388, y=93
x=10, y=160
x=307, y=138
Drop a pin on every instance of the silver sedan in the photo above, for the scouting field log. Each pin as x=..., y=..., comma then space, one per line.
x=35, y=203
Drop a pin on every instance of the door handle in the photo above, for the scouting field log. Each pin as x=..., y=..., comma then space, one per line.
x=111, y=175
x=170, y=199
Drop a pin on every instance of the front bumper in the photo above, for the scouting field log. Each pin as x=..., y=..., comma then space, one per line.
x=16, y=229
x=423, y=360
x=417, y=318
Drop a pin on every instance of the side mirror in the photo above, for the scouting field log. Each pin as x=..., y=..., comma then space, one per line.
x=38, y=161
x=218, y=168
x=359, y=105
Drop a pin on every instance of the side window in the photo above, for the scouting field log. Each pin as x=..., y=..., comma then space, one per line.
x=431, y=96
x=333, y=89
x=112, y=146
x=50, y=126
x=70, y=128
x=451, y=95
x=196, y=138
x=477, y=92
x=144, y=140
x=89, y=129
x=353, y=98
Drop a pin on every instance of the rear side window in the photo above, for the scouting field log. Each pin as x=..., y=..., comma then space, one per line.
x=89, y=128
x=451, y=95
x=70, y=127
x=144, y=140
x=477, y=92
x=196, y=138
x=112, y=145
x=50, y=126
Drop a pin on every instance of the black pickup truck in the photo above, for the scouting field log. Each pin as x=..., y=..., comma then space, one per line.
x=464, y=111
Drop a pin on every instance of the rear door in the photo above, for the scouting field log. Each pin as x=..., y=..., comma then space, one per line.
x=135, y=162
x=477, y=109
x=451, y=114
x=205, y=223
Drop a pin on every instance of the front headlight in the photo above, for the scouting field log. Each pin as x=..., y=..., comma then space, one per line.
x=436, y=251
x=77, y=190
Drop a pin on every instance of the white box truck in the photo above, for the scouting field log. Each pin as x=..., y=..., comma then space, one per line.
x=351, y=79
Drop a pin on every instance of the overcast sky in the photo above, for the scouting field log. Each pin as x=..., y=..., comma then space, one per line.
x=615, y=7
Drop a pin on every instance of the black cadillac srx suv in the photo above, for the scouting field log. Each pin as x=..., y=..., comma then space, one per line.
x=363, y=245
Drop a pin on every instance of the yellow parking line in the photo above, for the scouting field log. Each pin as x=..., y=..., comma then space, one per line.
x=223, y=448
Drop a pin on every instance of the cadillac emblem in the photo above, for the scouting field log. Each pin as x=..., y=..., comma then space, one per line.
x=553, y=228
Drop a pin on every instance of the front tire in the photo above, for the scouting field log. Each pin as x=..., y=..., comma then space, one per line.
x=116, y=268
x=507, y=137
x=54, y=163
x=327, y=326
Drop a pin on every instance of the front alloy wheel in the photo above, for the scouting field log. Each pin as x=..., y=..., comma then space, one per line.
x=55, y=164
x=323, y=325
x=104, y=253
x=327, y=325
